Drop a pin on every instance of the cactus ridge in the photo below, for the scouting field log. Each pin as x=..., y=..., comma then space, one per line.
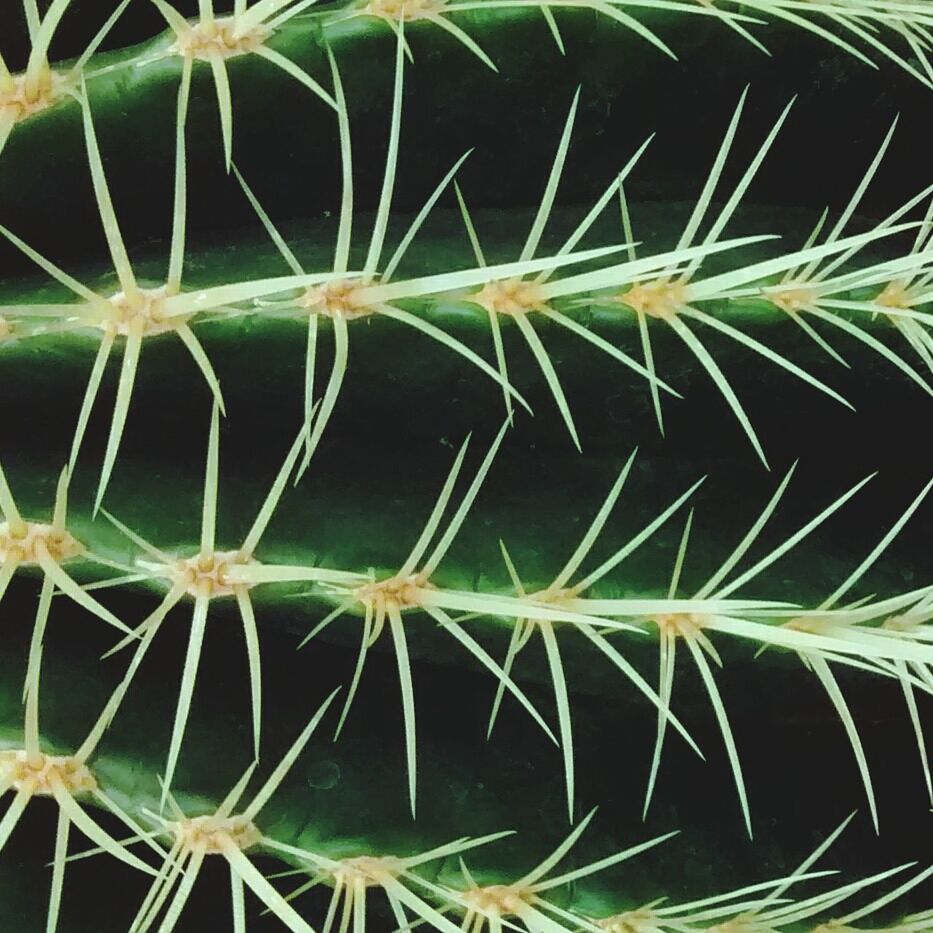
x=663, y=287
x=854, y=282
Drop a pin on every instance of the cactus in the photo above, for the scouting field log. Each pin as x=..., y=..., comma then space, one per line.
x=555, y=456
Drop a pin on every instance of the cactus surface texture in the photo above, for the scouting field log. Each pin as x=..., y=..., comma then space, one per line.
x=463, y=466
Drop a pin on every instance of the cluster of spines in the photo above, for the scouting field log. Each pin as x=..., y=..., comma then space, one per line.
x=822, y=635
x=182, y=842
x=897, y=32
x=662, y=290
x=662, y=287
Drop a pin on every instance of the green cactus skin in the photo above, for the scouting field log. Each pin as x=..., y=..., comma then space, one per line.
x=475, y=583
x=606, y=59
x=318, y=808
x=500, y=632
